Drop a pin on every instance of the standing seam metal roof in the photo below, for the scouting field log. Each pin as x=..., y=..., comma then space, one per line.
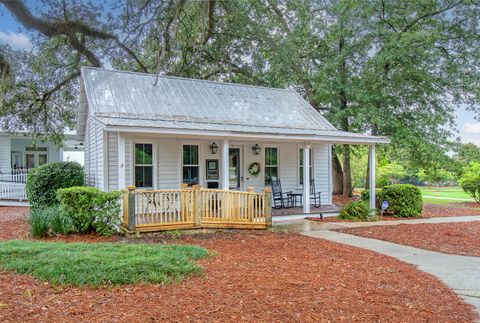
x=129, y=99
x=123, y=95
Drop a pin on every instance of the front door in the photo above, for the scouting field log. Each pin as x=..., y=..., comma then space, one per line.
x=234, y=174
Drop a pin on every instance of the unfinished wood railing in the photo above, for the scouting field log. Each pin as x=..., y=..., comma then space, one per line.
x=154, y=210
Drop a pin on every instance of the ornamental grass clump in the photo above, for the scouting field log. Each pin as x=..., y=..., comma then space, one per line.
x=356, y=211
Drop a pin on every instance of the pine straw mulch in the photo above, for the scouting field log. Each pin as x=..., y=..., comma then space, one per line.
x=252, y=276
x=461, y=238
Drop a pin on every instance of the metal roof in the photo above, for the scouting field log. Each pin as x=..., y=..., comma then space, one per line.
x=128, y=99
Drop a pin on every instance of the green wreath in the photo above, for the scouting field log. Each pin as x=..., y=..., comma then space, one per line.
x=254, y=169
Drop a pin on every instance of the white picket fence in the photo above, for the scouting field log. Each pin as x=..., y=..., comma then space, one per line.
x=12, y=185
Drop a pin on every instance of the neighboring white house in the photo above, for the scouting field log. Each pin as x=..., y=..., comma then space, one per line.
x=18, y=154
x=157, y=132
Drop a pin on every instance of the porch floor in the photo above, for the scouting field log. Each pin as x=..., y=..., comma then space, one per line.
x=299, y=210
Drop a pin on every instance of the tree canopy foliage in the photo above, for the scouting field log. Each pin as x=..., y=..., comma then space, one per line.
x=384, y=67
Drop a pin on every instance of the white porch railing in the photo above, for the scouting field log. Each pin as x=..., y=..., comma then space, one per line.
x=12, y=185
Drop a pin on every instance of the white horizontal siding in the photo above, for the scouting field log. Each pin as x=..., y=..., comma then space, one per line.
x=112, y=142
x=168, y=164
x=5, y=155
x=94, y=155
x=322, y=172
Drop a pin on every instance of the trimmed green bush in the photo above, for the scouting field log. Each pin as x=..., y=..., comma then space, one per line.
x=404, y=200
x=355, y=211
x=470, y=181
x=44, y=181
x=91, y=209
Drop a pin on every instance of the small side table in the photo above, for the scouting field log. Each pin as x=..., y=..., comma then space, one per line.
x=297, y=199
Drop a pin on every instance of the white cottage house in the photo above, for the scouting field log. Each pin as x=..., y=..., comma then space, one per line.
x=157, y=132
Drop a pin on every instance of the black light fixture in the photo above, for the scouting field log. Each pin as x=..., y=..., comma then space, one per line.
x=256, y=149
x=214, y=148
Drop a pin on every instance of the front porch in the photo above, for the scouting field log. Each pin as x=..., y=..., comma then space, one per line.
x=324, y=209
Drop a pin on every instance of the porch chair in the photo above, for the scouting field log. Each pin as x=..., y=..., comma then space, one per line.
x=281, y=199
x=315, y=197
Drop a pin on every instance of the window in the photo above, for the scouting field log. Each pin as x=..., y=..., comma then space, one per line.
x=300, y=166
x=271, y=164
x=143, y=165
x=190, y=164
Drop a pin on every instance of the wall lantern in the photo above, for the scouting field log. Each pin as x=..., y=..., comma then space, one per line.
x=214, y=148
x=256, y=149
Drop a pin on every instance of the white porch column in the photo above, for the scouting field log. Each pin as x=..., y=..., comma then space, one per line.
x=371, y=175
x=306, y=178
x=121, y=162
x=225, y=166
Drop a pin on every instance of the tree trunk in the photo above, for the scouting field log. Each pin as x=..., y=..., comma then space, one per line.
x=347, y=172
x=337, y=175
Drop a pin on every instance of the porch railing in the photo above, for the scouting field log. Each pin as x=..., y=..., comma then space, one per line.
x=155, y=210
x=15, y=176
x=12, y=185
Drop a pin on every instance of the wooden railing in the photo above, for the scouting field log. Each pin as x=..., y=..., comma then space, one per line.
x=153, y=210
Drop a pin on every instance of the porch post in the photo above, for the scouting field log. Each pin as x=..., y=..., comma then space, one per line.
x=225, y=166
x=371, y=176
x=306, y=178
x=121, y=161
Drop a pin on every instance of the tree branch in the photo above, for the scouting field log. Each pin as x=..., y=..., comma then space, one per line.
x=67, y=28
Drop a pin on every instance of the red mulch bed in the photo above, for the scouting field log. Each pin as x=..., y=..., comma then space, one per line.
x=461, y=238
x=253, y=276
x=13, y=222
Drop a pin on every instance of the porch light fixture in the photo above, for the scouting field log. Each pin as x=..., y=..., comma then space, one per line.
x=256, y=149
x=214, y=148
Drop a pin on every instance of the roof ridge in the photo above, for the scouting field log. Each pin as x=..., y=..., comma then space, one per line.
x=187, y=79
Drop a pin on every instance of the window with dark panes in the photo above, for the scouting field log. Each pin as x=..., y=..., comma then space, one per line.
x=190, y=165
x=300, y=166
x=271, y=164
x=143, y=165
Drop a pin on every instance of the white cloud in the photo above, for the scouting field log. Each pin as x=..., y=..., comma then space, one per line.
x=470, y=132
x=16, y=40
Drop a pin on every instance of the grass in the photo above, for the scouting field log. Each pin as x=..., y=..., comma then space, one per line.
x=100, y=263
x=449, y=192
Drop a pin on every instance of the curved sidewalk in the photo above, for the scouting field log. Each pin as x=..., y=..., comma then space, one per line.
x=460, y=273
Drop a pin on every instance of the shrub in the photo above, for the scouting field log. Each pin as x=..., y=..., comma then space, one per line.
x=44, y=181
x=91, y=209
x=404, y=200
x=470, y=181
x=356, y=211
x=49, y=220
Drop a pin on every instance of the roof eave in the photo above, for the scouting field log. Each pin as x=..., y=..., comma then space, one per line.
x=333, y=139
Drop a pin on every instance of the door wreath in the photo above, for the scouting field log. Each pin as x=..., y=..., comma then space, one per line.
x=254, y=169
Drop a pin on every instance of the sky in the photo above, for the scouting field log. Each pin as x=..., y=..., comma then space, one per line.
x=12, y=33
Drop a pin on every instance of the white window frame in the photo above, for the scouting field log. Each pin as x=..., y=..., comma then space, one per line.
x=154, y=162
x=199, y=161
x=312, y=168
x=265, y=164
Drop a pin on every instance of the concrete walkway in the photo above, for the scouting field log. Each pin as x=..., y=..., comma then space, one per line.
x=460, y=273
x=299, y=224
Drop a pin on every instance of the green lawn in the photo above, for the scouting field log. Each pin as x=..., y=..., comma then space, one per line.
x=450, y=192
x=98, y=264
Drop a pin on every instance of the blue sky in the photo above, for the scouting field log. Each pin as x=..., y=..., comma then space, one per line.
x=12, y=34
